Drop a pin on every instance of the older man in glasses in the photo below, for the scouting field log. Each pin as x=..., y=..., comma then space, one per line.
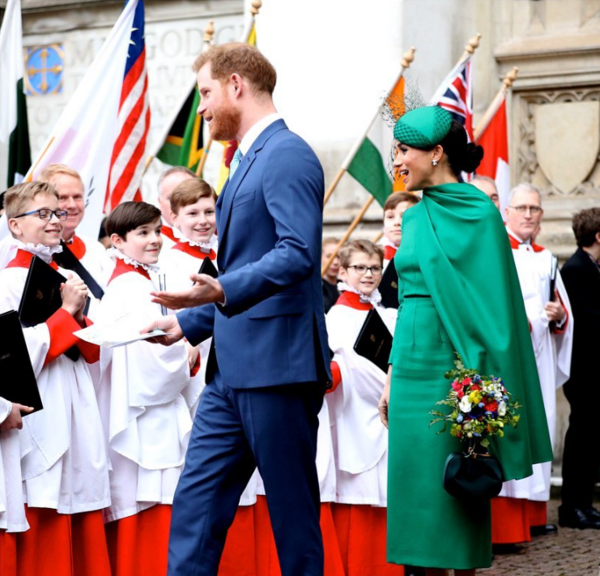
x=521, y=509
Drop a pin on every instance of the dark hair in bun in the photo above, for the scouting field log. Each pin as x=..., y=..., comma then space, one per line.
x=464, y=156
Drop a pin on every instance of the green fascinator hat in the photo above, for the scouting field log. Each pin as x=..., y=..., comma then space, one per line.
x=423, y=127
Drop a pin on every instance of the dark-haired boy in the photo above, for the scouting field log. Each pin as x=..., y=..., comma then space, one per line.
x=146, y=417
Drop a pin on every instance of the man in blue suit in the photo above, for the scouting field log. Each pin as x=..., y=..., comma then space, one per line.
x=269, y=367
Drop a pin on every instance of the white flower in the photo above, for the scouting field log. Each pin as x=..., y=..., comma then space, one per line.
x=465, y=405
x=502, y=408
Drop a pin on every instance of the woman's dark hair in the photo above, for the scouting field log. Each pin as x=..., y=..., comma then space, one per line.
x=464, y=156
x=130, y=215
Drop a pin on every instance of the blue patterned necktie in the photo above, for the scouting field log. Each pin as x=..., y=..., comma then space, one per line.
x=235, y=162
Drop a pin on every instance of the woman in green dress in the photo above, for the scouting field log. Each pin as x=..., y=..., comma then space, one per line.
x=458, y=292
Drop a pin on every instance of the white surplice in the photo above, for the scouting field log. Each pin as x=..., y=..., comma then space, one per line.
x=552, y=354
x=359, y=438
x=146, y=418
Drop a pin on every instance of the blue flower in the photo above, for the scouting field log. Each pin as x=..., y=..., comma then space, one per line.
x=481, y=405
x=476, y=378
x=477, y=434
x=459, y=418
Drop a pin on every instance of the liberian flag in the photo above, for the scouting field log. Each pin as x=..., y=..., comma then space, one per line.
x=455, y=94
x=14, y=132
x=89, y=125
x=369, y=160
x=494, y=140
x=129, y=152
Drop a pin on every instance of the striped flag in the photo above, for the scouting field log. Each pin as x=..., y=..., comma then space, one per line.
x=129, y=151
x=494, y=140
x=369, y=161
x=88, y=126
x=14, y=131
x=455, y=94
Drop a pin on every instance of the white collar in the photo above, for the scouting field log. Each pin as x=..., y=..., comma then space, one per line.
x=256, y=130
x=39, y=250
x=517, y=238
x=385, y=241
x=204, y=246
x=374, y=298
x=116, y=253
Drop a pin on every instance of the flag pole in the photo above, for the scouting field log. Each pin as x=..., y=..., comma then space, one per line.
x=377, y=238
x=351, y=229
x=407, y=58
x=496, y=102
x=254, y=10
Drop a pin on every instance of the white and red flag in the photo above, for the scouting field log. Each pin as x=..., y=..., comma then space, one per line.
x=455, y=94
x=99, y=120
x=494, y=140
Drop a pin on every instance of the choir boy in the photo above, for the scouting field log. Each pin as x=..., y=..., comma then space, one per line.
x=393, y=210
x=64, y=461
x=360, y=441
x=146, y=418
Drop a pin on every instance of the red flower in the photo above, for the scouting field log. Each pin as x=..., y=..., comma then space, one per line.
x=456, y=386
x=466, y=381
x=492, y=406
x=475, y=388
x=460, y=394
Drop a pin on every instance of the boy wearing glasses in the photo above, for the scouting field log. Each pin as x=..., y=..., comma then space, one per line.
x=520, y=511
x=64, y=461
x=359, y=439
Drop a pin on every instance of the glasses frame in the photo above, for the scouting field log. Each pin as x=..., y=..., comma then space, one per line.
x=367, y=269
x=61, y=215
x=522, y=209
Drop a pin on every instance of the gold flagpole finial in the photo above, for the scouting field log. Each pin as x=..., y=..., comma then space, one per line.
x=510, y=78
x=408, y=57
x=209, y=32
x=256, y=6
x=473, y=44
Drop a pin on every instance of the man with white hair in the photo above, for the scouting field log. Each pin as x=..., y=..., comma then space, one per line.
x=521, y=507
x=167, y=182
x=91, y=254
x=488, y=186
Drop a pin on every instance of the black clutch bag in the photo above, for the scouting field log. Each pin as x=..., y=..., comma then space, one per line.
x=472, y=475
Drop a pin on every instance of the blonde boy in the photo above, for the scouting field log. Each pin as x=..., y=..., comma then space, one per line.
x=393, y=210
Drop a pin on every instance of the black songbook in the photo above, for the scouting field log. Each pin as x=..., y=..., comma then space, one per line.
x=66, y=259
x=208, y=267
x=553, y=272
x=388, y=288
x=374, y=341
x=18, y=383
x=41, y=297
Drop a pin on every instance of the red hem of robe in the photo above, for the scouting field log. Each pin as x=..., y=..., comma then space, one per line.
x=510, y=521
x=62, y=544
x=537, y=513
x=239, y=554
x=8, y=553
x=138, y=545
x=362, y=536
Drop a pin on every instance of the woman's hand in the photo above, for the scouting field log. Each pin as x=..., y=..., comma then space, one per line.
x=384, y=401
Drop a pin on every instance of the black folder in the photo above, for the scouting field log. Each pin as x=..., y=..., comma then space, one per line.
x=208, y=268
x=41, y=297
x=374, y=341
x=18, y=383
x=388, y=288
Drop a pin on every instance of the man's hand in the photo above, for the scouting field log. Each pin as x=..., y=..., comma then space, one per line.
x=169, y=324
x=554, y=309
x=14, y=419
x=206, y=290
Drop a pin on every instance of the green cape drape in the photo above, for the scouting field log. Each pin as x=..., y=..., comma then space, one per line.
x=467, y=264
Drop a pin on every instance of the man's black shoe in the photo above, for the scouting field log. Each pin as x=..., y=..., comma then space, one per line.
x=543, y=530
x=577, y=518
x=592, y=513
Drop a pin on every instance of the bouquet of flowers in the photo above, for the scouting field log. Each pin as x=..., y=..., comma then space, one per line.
x=480, y=407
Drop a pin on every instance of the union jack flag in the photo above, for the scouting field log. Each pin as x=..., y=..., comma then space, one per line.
x=455, y=94
x=129, y=151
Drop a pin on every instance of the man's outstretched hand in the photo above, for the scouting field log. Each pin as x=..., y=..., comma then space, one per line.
x=205, y=290
x=169, y=324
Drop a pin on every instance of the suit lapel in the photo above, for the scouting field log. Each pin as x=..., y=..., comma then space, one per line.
x=228, y=193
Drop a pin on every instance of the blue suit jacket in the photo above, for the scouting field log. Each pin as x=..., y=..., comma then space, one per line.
x=269, y=221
